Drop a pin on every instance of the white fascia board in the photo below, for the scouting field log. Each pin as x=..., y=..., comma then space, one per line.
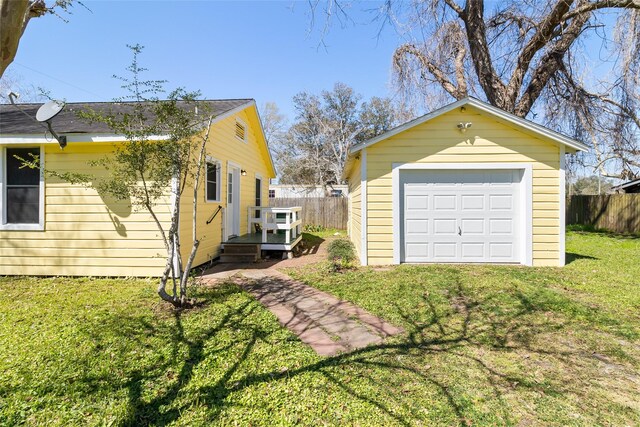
x=529, y=125
x=71, y=137
x=520, y=122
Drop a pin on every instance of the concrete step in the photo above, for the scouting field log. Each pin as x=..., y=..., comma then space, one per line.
x=238, y=258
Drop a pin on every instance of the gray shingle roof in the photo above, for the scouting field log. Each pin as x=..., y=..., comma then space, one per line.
x=14, y=122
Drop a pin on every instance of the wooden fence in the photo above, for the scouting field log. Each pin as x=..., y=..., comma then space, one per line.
x=329, y=212
x=615, y=212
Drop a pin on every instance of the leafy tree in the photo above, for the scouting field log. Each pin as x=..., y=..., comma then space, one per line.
x=530, y=58
x=590, y=185
x=144, y=168
x=314, y=149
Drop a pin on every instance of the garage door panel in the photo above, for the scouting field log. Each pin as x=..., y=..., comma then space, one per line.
x=501, y=250
x=444, y=250
x=417, y=226
x=461, y=216
x=472, y=202
x=473, y=251
x=442, y=226
x=470, y=226
x=500, y=202
x=417, y=252
x=444, y=202
x=501, y=226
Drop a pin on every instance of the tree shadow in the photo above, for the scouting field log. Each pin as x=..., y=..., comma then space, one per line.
x=460, y=328
x=571, y=257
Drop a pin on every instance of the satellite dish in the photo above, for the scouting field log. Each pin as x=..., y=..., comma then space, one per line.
x=49, y=110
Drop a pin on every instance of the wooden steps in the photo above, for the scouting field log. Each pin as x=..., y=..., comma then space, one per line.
x=240, y=253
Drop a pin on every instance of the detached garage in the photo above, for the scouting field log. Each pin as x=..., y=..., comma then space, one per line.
x=467, y=183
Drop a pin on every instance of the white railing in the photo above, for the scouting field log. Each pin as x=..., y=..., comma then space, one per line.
x=273, y=219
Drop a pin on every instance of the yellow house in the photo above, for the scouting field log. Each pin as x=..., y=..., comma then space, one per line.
x=51, y=227
x=466, y=183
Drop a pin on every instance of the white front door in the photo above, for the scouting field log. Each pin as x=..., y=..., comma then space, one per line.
x=233, y=201
x=461, y=216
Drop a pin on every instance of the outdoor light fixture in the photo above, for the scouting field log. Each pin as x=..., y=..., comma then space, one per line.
x=243, y=172
x=462, y=127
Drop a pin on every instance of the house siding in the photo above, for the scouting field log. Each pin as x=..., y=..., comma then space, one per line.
x=487, y=141
x=86, y=233
x=250, y=156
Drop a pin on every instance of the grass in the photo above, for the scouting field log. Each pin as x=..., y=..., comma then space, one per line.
x=484, y=345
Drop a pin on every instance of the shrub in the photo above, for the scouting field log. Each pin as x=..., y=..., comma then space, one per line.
x=313, y=228
x=341, y=253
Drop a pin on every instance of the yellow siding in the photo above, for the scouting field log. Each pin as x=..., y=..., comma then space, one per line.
x=250, y=156
x=355, y=205
x=85, y=233
x=488, y=141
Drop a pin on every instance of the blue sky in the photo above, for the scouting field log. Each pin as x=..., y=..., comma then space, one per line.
x=262, y=50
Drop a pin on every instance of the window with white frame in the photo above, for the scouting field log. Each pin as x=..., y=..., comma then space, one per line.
x=21, y=195
x=213, y=180
x=272, y=194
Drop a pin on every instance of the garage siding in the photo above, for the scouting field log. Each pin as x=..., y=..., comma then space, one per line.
x=487, y=141
x=355, y=211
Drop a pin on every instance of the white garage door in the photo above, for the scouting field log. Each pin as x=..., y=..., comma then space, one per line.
x=461, y=216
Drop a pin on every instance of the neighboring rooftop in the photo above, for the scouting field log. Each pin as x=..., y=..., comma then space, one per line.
x=14, y=122
x=628, y=187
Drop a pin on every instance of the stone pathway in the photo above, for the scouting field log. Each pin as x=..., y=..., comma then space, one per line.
x=326, y=323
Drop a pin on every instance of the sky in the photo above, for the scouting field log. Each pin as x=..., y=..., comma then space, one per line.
x=264, y=50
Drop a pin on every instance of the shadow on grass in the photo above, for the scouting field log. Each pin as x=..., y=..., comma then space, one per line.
x=310, y=243
x=571, y=257
x=463, y=322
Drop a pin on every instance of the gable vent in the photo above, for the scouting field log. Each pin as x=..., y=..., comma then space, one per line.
x=240, y=131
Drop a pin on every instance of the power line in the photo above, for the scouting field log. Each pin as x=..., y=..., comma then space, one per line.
x=61, y=81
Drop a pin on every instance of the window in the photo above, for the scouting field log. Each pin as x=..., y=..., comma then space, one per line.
x=336, y=193
x=213, y=181
x=272, y=194
x=22, y=192
x=258, y=195
x=241, y=130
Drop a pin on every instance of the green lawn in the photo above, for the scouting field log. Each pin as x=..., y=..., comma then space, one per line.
x=484, y=345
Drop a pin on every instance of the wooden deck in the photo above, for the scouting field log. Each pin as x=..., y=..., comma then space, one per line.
x=275, y=241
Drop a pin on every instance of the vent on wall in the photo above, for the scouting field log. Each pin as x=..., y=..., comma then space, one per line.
x=240, y=131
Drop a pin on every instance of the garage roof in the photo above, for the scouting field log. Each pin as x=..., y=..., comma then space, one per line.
x=502, y=115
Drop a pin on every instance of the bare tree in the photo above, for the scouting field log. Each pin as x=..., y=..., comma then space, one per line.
x=14, y=18
x=530, y=58
x=314, y=149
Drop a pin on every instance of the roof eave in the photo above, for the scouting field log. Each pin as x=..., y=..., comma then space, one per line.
x=526, y=124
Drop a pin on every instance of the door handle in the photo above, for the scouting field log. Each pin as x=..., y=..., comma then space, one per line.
x=459, y=231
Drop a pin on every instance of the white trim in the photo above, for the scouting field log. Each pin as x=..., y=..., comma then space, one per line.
x=41, y=196
x=563, y=208
x=364, y=251
x=212, y=160
x=518, y=121
x=526, y=199
x=78, y=137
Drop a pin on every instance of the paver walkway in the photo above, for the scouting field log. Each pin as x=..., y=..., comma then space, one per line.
x=326, y=323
